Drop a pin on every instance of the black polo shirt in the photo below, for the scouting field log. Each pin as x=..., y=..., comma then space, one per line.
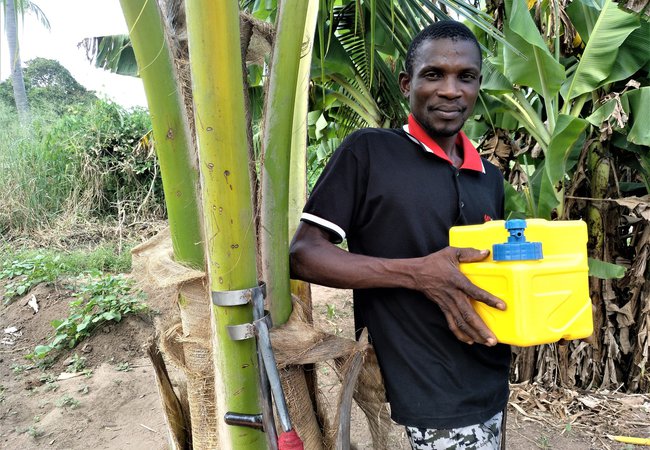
x=392, y=196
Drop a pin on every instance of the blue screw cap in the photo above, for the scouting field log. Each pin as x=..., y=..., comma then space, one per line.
x=517, y=248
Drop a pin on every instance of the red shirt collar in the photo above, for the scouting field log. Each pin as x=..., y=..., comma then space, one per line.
x=471, y=158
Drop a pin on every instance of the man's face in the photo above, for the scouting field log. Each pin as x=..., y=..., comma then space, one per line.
x=444, y=85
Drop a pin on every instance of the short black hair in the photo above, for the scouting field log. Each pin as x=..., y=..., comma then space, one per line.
x=443, y=29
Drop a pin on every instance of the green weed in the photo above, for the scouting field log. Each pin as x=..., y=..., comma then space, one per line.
x=105, y=258
x=543, y=442
x=49, y=387
x=31, y=431
x=77, y=364
x=67, y=401
x=331, y=311
x=101, y=299
x=25, y=273
x=17, y=369
x=26, y=268
x=47, y=378
x=124, y=367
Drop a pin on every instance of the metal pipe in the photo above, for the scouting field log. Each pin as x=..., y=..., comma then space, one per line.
x=244, y=420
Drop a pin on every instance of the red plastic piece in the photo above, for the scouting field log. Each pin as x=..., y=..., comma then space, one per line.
x=289, y=440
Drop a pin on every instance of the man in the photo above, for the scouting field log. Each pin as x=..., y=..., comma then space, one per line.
x=394, y=194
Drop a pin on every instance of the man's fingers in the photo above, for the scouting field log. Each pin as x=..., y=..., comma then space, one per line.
x=453, y=326
x=467, y=255
x=473, y=322
x=482, y=296
x=466, y=324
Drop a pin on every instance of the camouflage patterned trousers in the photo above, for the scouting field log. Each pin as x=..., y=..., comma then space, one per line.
x=482, y=436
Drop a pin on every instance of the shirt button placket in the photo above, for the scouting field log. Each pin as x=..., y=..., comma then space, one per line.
x=461, y=204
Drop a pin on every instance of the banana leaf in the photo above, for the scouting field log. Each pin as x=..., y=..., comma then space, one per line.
x=583, y=15
x=636, y=106
x=564, y=148
x=639, y=112
x=539, y=69
x=633, y=55
x=543, y=191
x=594, y=67
x=604, y=270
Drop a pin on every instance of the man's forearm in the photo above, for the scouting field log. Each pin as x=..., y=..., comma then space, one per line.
x=316, y=260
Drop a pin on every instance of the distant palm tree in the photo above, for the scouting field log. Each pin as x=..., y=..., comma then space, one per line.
x=11, y=10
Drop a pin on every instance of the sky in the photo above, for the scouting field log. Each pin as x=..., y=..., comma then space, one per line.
x=70, y=22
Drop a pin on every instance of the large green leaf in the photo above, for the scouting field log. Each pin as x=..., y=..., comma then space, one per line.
x=539, y=70
x=544, y=192
x=639, y=112
x=604, y=270
x=610, y=31
x=112, y=53
x=583, y=15
x=337, y=60
x=636, y=105
x=515, y=203
x=564, y=147
x=493, y=79
x=632, y=56
x=603, y=113
x=561, y=156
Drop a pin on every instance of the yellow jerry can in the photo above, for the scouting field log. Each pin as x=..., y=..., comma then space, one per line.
x=539, y=269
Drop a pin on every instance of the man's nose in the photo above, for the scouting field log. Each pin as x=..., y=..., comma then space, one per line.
x=449, y=88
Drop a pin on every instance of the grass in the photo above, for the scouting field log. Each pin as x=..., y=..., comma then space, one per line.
x=33, y=180
x=23, y=269
x=106, y=257
x=93, y=161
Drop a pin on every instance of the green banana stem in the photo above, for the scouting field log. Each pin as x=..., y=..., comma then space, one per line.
x=220, y=120
x=176, y=154
x=278, y=120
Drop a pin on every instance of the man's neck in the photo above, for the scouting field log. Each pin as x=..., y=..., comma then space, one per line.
x=448, y=145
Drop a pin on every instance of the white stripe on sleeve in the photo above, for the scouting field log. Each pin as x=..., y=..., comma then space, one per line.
x=324, y=223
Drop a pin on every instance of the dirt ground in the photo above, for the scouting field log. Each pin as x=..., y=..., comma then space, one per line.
x=114, y=403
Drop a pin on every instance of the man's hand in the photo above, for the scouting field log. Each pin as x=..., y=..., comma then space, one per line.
x=440, y=279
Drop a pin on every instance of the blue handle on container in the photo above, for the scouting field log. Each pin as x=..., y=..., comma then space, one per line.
x=517, y=248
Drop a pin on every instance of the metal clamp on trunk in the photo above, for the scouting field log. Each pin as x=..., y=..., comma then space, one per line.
x=248, y=330
x=270, y=385
x=240, y=297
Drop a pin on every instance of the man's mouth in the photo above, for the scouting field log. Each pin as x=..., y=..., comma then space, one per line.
x=447, y=112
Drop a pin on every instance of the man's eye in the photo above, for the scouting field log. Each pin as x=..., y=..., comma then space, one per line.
x=432, y=75
x=468, y=76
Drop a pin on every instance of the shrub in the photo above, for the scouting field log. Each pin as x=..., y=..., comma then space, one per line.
x=117, y=163
x=94, y=161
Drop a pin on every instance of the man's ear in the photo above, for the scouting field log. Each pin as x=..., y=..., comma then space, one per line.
x=404, y=81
